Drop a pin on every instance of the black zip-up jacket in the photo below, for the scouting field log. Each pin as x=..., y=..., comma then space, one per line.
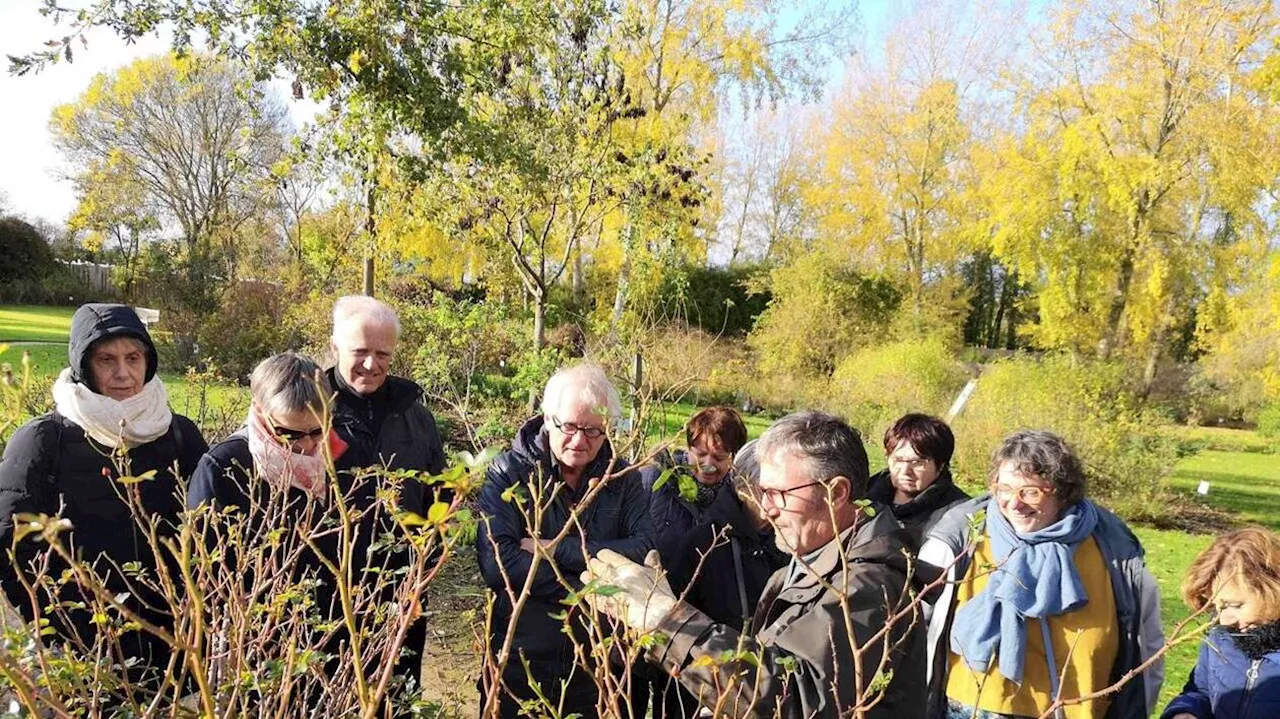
x=725, y=561
x=618, y=519
x=673, y=517
x=50, y=462
x=391, y=428
x=225, y=478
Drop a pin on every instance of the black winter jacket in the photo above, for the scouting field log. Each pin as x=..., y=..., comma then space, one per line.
x=225, y=478
x=617, y=520
x=392, y=429
x=725, y=561
x=673, y=517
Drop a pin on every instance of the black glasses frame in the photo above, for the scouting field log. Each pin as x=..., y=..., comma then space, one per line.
x=570, y=428
x=778, y=497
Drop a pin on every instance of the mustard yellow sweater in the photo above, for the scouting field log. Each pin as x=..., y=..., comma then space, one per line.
x=1085, y=643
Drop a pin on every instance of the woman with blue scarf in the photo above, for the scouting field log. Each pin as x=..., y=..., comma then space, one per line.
x=1047, y=597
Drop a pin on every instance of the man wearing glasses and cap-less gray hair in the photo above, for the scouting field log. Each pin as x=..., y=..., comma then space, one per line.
x=557, y=458
x=814, y=631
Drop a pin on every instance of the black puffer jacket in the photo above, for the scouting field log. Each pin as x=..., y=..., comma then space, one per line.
x=225, y=478
x=391, y=428
x=617, y=520
x=49, y=462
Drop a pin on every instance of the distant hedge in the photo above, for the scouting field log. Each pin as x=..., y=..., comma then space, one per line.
x=714, y=299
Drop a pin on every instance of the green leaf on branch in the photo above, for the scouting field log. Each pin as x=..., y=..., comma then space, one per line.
x=437, y=513
x=663, y=478
x=688, y=488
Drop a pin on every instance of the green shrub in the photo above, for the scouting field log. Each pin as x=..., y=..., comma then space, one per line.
x=820, y=312
x=715, y=299
x=875, y=385
x=1269, y=421
x=1087, y=402
x=247, y=327
x=24, y=254
x=25, y=392
x=476, y=363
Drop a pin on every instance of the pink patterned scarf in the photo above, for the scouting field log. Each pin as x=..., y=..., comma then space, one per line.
x=277, y=463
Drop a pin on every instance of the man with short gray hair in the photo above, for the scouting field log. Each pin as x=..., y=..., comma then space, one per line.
x=380, y=414
x=817, y=638
x=384, y=421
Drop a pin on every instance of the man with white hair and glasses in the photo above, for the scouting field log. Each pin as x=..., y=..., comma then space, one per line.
x=556, y=464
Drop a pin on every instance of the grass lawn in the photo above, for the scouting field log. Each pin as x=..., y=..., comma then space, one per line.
x=29, y=323
x=1247, y=483
x=1169, y=553
x=47, y=360
x=1224, y=439
x=1244, y=483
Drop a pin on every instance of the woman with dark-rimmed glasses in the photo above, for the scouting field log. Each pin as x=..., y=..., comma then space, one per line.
x=1052, y=600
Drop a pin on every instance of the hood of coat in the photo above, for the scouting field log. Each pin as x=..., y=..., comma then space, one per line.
x=532, y=446
x=94, y=322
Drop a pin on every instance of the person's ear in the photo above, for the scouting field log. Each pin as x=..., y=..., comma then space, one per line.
x=841, y=489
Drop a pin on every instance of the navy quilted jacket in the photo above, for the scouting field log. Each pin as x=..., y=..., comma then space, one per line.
x=1226, y=684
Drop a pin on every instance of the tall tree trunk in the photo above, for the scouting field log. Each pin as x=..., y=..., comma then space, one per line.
x=1152, y=365
x=1003, y=305
x=539, y=322
x=629, y=234
x=1011, y=336
x=371, y=228
x=577, y=281
x=1119, y=299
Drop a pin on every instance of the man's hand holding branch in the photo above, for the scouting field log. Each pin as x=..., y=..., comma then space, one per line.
x=643, y=597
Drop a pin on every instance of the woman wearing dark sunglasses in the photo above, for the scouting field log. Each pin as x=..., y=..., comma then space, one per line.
x=280, y=444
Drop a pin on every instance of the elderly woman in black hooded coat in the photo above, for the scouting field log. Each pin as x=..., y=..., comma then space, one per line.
x=111, y=417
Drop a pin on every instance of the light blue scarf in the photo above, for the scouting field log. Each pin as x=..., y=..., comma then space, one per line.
x=1035, y=577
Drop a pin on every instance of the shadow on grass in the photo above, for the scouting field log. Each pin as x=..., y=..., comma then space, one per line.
x=1245, y=486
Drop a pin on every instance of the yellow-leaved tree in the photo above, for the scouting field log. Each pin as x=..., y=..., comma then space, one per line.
x=1131, y=187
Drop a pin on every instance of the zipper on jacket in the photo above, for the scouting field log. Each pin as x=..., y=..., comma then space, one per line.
x=1251, y=678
